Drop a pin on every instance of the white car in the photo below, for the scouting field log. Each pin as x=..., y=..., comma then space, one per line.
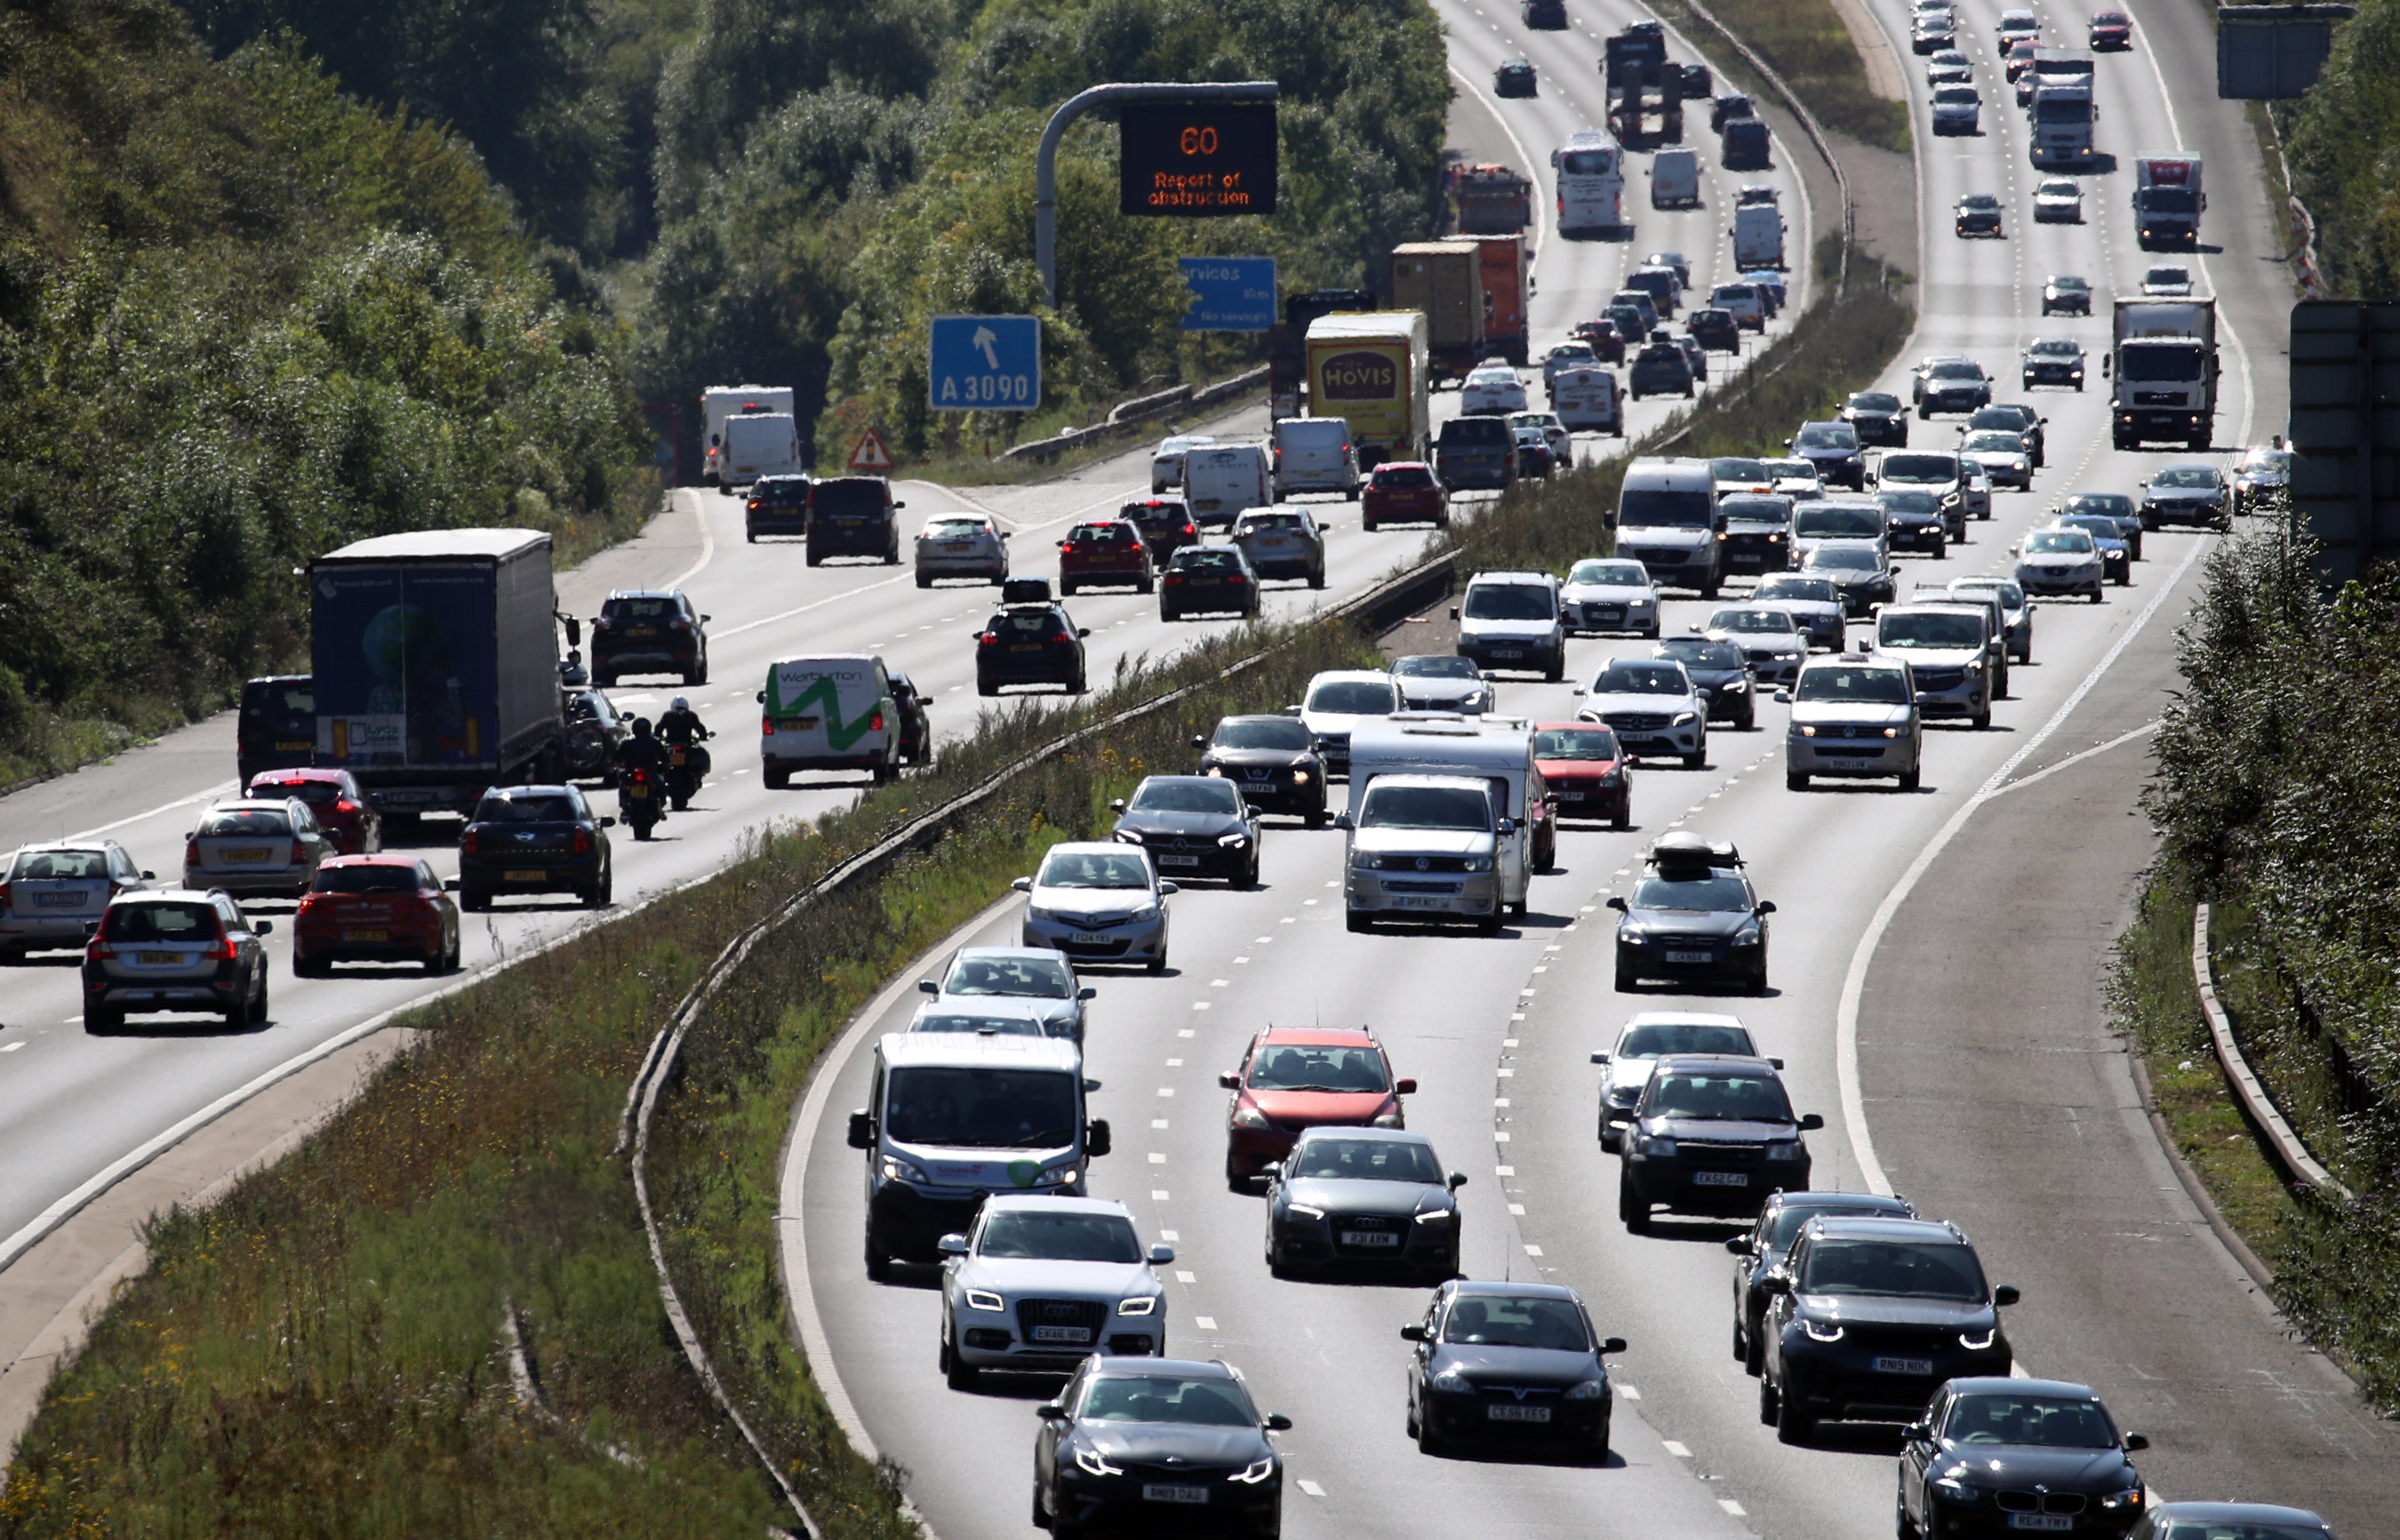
x=1566, y=354
x=1167, y=460
x=1653, y=706
x=1098, y=900
x=961, y=545
x=1742, y=302
x=1074, y=1263
x=1492, y=388
x=1335, y=700
x=1609, y=593
x=1976, y=486
x=1554, y=433
x=1957, y=108
x=2168, y=281
x=1649, y=1036
x=2002, y=455
x=1795, y=478
x=2061, y=561
x=1947, y=66
x=2058, y=201
x=1768, y=636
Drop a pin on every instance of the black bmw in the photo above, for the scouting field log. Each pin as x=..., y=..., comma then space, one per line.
x=1509, y=1362
x=1157, y=1444
x=2002, y=1456
x=1760, y=1254
x=1273, y=761
x=1193, y=825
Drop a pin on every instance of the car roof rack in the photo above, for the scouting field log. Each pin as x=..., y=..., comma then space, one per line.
x=1685, y=849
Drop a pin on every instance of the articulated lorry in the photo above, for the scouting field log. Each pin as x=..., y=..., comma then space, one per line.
x=436, y=662
x=2163, y=370
x=1645, y=88
x=1372, y=371
x=2168, y=202
x=1444, y=279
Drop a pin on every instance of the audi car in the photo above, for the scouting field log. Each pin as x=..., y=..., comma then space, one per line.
x=1039, y=1283
x=1506, y=1365
x=1713, y=1134
x=1693, y=918
x=1609, y=594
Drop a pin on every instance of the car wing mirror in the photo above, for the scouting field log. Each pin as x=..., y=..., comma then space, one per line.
x=1277, y=1422
x=899, y=504
x=861, y=1132
x=1117, y=805
x=1776, y=1283
x=1023, y=884
x=1412, y=1333
x=1230, y=1079
x=1453, y=612
x=1166, y=888
x=1404, y=1087
x=1199, y=741
x=1915, y=1433
x=952, y=1246
x=450, y=883
x=1087, y=992
x=1738, y=1246
x=2135, y=1443
x=927, y=985
x=1456, y=1180
x=1617, y=904
x=1097, y=1140
x=1599, y=1057
x=1776, y=1061
x=2006, y=1294
x=608, y=821
x=1083, y=631
x=1812, y=1122
x=1766, y=906
x=762, y=694
x=1051, y=1411
x=1613, y=1345
x=1090, y=1084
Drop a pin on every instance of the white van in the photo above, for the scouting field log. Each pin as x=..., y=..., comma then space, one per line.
x=832, y=712
x=1315, y=455
x=1587, y=400
x=720, y=403
x=1675, y=179
x=1758, y=237
x=1167, y=460
x=759, y=443
x=1222, y=480
x=1493, y=753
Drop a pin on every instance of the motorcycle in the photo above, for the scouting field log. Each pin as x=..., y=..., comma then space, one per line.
x=638, y=793
x=687, y=766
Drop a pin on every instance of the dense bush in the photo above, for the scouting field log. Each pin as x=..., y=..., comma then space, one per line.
x=2344, y=140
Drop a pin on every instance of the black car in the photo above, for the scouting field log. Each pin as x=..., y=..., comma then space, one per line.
x=2112, y=505
x=1372, y=1199
x=1711, y=1134
x=1273, y=761
x=534, y=840
x=1509, y=1363
x=1833, y=449
x=1137, y=1441
x=1660, y=369
x=2015, y=416
x=2066, y=295
x=778, y=505
x=2192, y=492
x=1978, y=214
x=916, y=727
x=1727, y=106
x=1878, y=418
x=1693, y=918
x=1029, y=645
x=2052, y=360
x=1545, y=15
x=1990, y=1449
x=1870, y=1317
x=1760, y=1253
x=1758, y=532
x=1193, y=825
x=1515, y=79
x=1915, y=518
x=278, y=726
x=1722, y=669
x=1207, y=580
x=853, y=516
x=1166, y=524
x=649, y=630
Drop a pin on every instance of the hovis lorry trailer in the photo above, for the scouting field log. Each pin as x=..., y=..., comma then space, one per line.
x=1372, y=371
x=436, y=658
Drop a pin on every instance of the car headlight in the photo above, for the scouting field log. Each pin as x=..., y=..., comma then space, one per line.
x=1365, y=862
x=1658, y=1145
x=1746, y=936
x=1437, y=1217
x=1248, y=1117
x=1299, y=778
x=984, y=1298
x=1891, y=733
x=1035, y=912
x=1955, y=1489
x=1256, y=1471
x=1805, y=732
x=1823, y=1331
x=1095, y=1464
x=1451, y=1381
x=1476, y=864
x=1685, y=718
x=1303, y=1210
x=1589, y=1390
x=896, y=1169
x=1148, y=909
x=2122, y=1502
x=1232, y=841
x=1142, y=1305
x=1784, y=1150
x=1053, y=1175
x=1216, y=770
x=1973, y=1342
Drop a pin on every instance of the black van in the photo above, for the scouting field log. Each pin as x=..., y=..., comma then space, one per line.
x=278, y=727
x=853, y=516
x=1745, y=145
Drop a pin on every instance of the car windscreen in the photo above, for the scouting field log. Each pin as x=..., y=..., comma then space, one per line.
x=2185, y=475
x=1207, y=558
x=60, y=867
x=1105, y=533
x=848, y=496
x=976, y=1108
x=1646, y=508
x=2004, y=440
x=2096, y=525
x=526, y=810
x=1355, y=698
x=1254, y=521
x=1093, y=869
x=954, y=529
x=1913, y=502
x=1691, y=653
x=1020, y=1235
x=1712, y=1098
x=2066, y=109
x=2045, y=542
x=1734, y=468
x=1631, y=679
x=1893, y=1270
x=1843, y=558
x=1580, y=743
x=1461, y=809
x=1932, y=469
x=1281, y=733
x=1435, y=666
x=175, y=923
x=1317, y=1067
x=1874, y=401
x=1714, y=894
x=2010, y=595
x=1955, y=96
x=1882, y=686
x=1610, y=574
x=1501, y=1320
x=2235, y=1528
x=1474, y=433
x=1186, y=794
x=1827, y=436
x=1838, y=523
x=1166, y=1398
x=982, y=1024
x=640, y=610
x=2042, y=1422
x=246, y=822
x=2176, y=363
x=1928, y=630
x=1030, y=977
x=1771, y=510
x=1683, y=1037
x=317, y=794
x=377, y=877
x=2063, y=348
x=1957, y=369
x=1752, y=621
x=1410, y=476
x=1509, y=601
x=1783, y=588
x=1364, y=1160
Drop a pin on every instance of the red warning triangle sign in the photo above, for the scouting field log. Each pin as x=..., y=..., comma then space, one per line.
x=870, y=456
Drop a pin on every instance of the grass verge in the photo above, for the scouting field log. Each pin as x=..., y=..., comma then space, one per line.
x=1805, y=43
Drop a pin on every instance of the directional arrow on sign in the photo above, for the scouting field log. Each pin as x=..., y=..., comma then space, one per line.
x=984, y=338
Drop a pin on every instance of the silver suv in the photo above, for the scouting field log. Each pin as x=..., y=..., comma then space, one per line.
x=1853, y=716
x=1041, y=1283
x=1948, y=651
x=175, y=949
x=257, y=845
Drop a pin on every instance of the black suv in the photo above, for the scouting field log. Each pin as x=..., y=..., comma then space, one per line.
x=278, y=727
x=853, y=516
x=1871, y=1315
x=534, y=840
x=1275, y=762
x=1760, y=1254
x=1720, y=669
x=1878, y=418
x=1988, y=1450
x=1711, y=1134
x=1692, y=917
x=649, y=631
x=778, y=505
x=1035, y=643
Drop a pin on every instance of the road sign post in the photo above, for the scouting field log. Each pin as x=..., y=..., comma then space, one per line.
x=1230, y=294
x=985, y=363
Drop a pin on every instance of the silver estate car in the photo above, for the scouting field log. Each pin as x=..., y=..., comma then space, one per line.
x=1040, y=1283
x=257, y=847
x=50, y=894
x=175, y=949
x=961, y=545
x=1037, y=975
x=1098, y=900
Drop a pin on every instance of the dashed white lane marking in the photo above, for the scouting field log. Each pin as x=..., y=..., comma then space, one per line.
x=1312, y=1489
x=1167, y=1090
x=1533, y=1251
x=1499, y=1101
x=1500, y=1135
x=10, y=1047
x=1156, y=1158
x=1183, y=1278
x=1504, y=1170
x=1678, y=1451
x=1628, y=1392
x=1206, y=1323
x=1241, y=959
x=1184, y=1032
x=1733, y=1507
x=1199, y=1004
x=1175, y=1064
x=1168, y=1236
x=1158, y=1194
x=1516, y=1209
x=1158, y=1123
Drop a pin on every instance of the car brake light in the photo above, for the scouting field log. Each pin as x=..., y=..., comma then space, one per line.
x=299, y=853
x=191, y=853
x=874, y=724
x=582, y=841
x=989, y=638
x=1233, y=578
x=766, y=727
x=470, y=844
x=345, y=805
x=602, y=622
x=223, y=951
x=3, y=895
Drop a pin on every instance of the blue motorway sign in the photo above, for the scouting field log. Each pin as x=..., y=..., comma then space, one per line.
x=985, y=363
x=1230, y=294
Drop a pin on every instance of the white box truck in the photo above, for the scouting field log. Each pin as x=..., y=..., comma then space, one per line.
x=720, y=402
x=2168, y=202
x=2162, y=368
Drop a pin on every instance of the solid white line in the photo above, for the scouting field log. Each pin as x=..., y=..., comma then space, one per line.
x=1846, y=1023
x=2095, y=750
x=707, y=544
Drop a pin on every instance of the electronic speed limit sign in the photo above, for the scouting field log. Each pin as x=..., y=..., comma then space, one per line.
x=1197, y=161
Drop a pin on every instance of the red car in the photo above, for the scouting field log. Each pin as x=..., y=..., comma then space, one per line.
x=334, y=796
x=1404, y=492
x=1585, y=768
x=1305, y=1077
x=1106, y=552
x=1166, y=524
x=1607, y=341
x=374, y=908
x=2111, y=30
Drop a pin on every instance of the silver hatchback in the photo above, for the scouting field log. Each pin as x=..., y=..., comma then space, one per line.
x=961, y=545
x=266, y=847
x=175, y=949
x=50, y=894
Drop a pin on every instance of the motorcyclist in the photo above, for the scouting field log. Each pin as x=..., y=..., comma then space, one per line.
x=642, y=751
x=680, y=726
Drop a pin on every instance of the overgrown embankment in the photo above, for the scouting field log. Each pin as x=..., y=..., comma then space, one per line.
x=2343, y=139
x=1804, y=42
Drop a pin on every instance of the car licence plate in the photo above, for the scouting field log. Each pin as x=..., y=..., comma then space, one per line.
x=71, y=900
x=1903, y=1366
x=1508, y=652
x=1178, y=860
x=1411, y=901
x=1848, y=764
x=1689, y=957
x=2056, y=1523
x=366, y=935
x=643, y=631
x=1568, y=795
x=1159, y=1491
x=243, y=855
x=1024, y=647
x=528, y=874
x=1077, y=1334
x=1509, y=1411
x=1719, y=1179
x=159, y=960
x=958, y=545
x=1090, y=938
x=1369, y=1237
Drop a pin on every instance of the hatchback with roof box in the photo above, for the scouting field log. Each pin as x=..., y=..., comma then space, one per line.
x=1692, y=918
x=1713, y=1134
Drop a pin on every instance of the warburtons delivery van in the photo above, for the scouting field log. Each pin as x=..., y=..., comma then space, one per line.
x=830, y=711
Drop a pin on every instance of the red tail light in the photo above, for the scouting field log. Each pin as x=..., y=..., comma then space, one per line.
x=1235, y=577
x=222, y=951
x=299, y=853
x=766, y=727
x=988, y=639
x=191, y=853
x=679, y=625
x=1190, y=533
x=582, y=841
x=1173, y=579
x=876, y=725
x=3, y=895
x=98, y=950
x=470, y=843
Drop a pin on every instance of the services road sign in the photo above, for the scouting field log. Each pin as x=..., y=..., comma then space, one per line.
x=985, y=363
x=1197, y=159
x=870, y=456
x=1230, y=294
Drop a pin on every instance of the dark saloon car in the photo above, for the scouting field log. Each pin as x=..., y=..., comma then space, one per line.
x=175, y=949
x=1193, y=825
x=1166, y=524
x=534, y=840
x=916, y=727
x=1207, y=580
x=1029, y=645
x=2108, y=505
x=2194, y=494
x=374, y=908
x=278, y=726
x=1832, y=448
x=1721, y=671
x=2231, y=1522
x=777, y=505
x=1584, y=768
x=1509, y=1363
x=1153, y=1443
x=1711, y=1134
x=1760, y=1254
x=1977, y=214
x=2052, y=360
x=1368, y=1199
x=648, y=631
x=1516, y=77
x=1915, y=519
x=2002, y=1456
x=1693, y=918
x=1870, y=1317
x=1878, y=418
x=1272, y=760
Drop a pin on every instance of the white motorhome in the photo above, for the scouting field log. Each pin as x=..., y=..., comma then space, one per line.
x=1429, y=854
x=1591, y=185
x=721, y=401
